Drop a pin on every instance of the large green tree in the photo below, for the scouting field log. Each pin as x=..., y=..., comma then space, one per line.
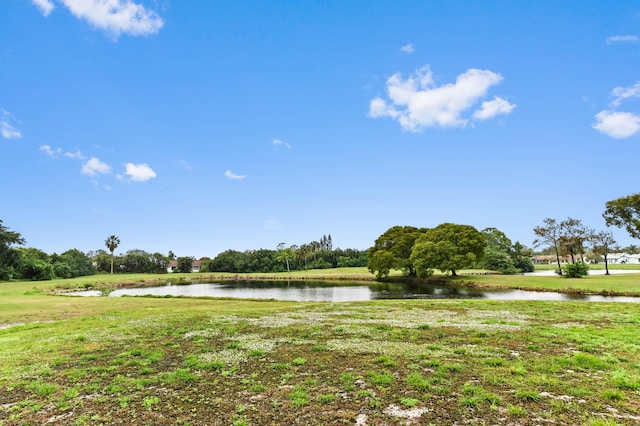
x=624, y=213
x=448, y=247
x=392, y=250
x=9, y=256
x=112, y=242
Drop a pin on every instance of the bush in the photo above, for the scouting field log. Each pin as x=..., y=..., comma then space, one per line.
x=524, y=264
x=499, y=261
x=575, y=270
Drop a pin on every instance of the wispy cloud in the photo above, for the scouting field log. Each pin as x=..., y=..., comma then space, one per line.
x=75, y=155
x=621, y=94
x=621, y=39
x=229, y=174
x=185, y=164
x=45, y=6
x=94, y=166
x=417, y=103
x=53, y=153
x=139, y=172
x=7, y=130
x=407, y=48
x=619, y=124
x=116, y=17
x=490, y=109
x=279, y=143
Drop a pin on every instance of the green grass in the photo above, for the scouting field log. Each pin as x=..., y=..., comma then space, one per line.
x=187, y=360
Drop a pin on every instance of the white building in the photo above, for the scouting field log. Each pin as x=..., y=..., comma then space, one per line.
x=623, y=258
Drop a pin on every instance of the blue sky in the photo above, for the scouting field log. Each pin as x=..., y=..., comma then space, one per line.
x=200, y=126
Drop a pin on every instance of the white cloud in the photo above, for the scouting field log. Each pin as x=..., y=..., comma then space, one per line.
x=622, y=39
x=6, y=128
x=94, y=166
x=116, y=16
x=53, y=153
x=416, y=102
x=8, y=131
x=407, y=48
x=232, y=175
x=139, y=172
x=490, y=109
x=45, y=6
x=278, y=142
x=624, y=93
x=75, y=155
x=618, y=125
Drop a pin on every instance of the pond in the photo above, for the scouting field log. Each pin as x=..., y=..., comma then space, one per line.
x=321, y=291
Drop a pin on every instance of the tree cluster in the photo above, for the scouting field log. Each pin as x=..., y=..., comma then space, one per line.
x=447, y=247
x=571, y=238
x=133, y=261
x=18, y=263
x=314, y=255
x=504, y=256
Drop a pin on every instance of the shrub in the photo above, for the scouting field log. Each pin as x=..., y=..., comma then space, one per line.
x=575, y=270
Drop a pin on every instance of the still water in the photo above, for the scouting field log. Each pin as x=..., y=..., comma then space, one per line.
x=320, y=291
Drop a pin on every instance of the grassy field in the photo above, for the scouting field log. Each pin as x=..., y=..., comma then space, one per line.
x=181, y=361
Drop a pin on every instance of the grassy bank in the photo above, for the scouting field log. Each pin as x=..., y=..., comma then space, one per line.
x=187, y=361
x=95, y=361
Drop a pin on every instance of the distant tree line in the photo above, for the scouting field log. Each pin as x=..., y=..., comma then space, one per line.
x=314, y=255
x=19, y=263
x=415, y=251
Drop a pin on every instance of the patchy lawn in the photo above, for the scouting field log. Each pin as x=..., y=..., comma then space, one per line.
x=222, y=362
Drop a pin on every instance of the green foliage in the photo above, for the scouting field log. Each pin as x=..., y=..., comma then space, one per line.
x=315, y=255
x=575, y=270
x=499, y=261
x=35, y=269
x=9, y=256
x=624, y=213
x=523, y=264
x=392, y=250
x=448, y=247
x=380, y=263
x=185, y=263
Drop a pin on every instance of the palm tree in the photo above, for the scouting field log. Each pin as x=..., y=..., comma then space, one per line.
x=112, y=242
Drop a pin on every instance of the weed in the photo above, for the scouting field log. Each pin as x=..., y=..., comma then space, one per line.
x=327, y=399
x=384, y=379
x=150, y=401
x=527, y=395
x=516, y=411
x=281, y=366
x=299, y=397
x=612, y=395
x=494, y=362
x=623, y=380
x=299, y=361
x=386, y=361
x=416, y=380
x=409, y=402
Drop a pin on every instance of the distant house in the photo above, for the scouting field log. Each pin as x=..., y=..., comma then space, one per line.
x=173, y=266
x=623, y=258
x=548, y=259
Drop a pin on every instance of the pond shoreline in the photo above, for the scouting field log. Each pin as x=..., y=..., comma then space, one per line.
x=454, y=282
